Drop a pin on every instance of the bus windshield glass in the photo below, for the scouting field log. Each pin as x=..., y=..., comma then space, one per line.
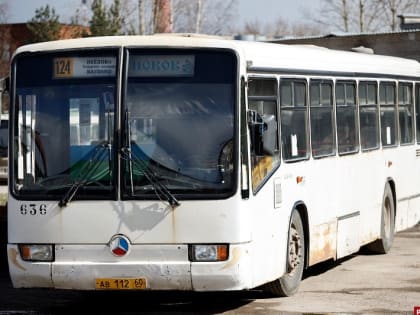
x=179, y=117
x=64, y=124
x=176, y=124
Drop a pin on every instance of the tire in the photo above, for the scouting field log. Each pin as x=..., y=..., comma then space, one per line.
x=384, y=243
x=288, y=284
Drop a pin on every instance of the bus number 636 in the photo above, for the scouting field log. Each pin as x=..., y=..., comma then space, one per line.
x=33, y=209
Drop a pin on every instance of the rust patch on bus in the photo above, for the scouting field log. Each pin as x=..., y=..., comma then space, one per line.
x=13, y=253
x=236, y=256
x=323, y=242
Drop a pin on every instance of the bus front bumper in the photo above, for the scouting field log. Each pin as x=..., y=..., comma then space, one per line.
x=163, y=267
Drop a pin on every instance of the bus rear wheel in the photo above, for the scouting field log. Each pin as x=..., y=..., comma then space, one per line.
x=289, y=283
x=383, y=245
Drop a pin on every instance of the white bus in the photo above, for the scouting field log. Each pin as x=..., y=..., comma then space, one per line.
x=189, y=163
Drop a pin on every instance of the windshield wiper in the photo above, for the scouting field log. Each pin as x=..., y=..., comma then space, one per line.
x=161, y=191
x=154, y=179
x=87, y=170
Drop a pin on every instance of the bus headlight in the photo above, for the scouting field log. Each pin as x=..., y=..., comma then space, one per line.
x=209, y=252
x=35, y=252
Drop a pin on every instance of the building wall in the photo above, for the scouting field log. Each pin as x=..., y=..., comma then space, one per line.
x=14, y=35
x=399, y=44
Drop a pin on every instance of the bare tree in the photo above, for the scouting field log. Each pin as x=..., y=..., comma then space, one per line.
x=133, y=20
x=253, y=28
x=198, y=18
x=334, y=13
x=277, y=29
x=367, y=16
x=280, y=28
x=304, y=29
x=204, y=16
x=363, y=15
x=392, y=8
x=147, y=16
x=139, y=16
x=188, y=16
x=142, y=27
x=218, y=16
x=4, y=11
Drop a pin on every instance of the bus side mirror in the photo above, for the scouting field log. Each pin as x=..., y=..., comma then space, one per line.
x=263, y=133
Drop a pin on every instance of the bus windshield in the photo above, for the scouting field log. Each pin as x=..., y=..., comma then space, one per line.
x=64, y=124
x=176, y=124
x=180, y=122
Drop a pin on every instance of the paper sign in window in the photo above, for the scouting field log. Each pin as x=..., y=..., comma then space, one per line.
x=294, y=145
x=388, y=135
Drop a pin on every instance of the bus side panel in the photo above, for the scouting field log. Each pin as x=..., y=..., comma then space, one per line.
x=401, y=217
x=412, y=179
x=414, y=211
x=320, y=195
x=366, y=192
x=270, y=224
x=403, y=165
x=414, y=183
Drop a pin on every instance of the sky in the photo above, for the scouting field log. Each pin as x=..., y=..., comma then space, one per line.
x=21, y=11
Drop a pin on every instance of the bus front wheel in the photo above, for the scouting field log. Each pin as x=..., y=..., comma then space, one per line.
x=289, y=283
x=383, y=245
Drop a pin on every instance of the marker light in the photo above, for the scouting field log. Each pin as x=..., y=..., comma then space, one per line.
x=35, y=252
x=209, y=252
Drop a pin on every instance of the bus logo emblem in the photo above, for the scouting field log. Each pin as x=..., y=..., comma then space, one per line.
x=119, y=245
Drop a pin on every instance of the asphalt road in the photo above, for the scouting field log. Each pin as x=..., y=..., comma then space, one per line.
x=360, y=284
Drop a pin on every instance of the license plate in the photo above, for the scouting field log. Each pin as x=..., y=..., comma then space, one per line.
x=120, y=283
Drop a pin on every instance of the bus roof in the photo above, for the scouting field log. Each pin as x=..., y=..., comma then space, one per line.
x=254, y=55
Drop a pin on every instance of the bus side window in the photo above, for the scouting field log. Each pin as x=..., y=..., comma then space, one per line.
x=322, y=121
x=346, y=117
x=388, y=113
x=293, y=113
x=405, y=112
x=262, y=98
x=368, y=115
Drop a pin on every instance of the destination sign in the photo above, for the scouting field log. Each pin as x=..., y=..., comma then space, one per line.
x=161, y=66
x=84, y=67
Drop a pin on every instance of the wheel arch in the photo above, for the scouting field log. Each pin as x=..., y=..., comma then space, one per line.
x=300, y=207
x=390, y=181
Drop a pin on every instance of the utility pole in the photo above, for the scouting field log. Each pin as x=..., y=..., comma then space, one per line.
x=163, y=16
x=141, y=17
x=198, y=19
